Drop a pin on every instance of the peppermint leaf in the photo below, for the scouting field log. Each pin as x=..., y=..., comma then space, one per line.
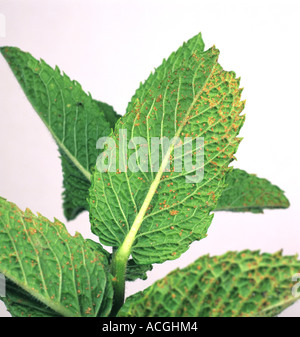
x=74, y=119
x=155, y=215
x=49, y=272
x=235, y=284
x=248, y=193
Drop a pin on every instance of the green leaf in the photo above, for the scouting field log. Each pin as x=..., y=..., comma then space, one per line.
x=74, y=119
x=110, y=114
x=158, y=214
x=20, y=304
x=48, y=270
x=248, y=193
x=76, y=188
x=137, y=271
x=100, y=250
x=234, y=284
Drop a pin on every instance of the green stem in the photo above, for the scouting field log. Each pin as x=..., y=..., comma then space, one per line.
x=121, y=256
x=118, y=269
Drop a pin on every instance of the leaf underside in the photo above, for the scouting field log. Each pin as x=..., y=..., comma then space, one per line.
x=76, y=188
x=74, y=119
x=50, y=273
x=243, y=194
x=48, y=270
x=247, y=193
x=188, y=95
x=20, y=304
x=236, y=284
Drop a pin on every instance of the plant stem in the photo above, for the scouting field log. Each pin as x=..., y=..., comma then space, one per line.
x=121, y=256
x=118, y=269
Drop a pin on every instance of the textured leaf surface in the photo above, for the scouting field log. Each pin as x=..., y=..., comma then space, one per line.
x=50, y=269
x=137, y=271
x=76, y=188
x=75, y=120
x=20, y=304
x=235, y=284
x=248, y=193
x=188, y=95
x=110, y=115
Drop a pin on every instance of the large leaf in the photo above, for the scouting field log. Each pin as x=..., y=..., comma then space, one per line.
x=75, y=120
x=49, y=272
x=248, y=193
x=235, y=284
x=188, y=95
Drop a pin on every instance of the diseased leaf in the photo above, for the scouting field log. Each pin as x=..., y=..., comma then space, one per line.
x=48, y=270
x=100, y=250
x=189, y=95
x=248, y=193
x=19, y=303
x=75, y=120
x=234, y=284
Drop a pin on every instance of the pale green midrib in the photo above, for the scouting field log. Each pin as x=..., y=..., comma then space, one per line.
x=288, y=302
x=61, y=145
x=86, y=173
x=48, y=302
x=126, y=246
x=129, y=239
x=29, y=305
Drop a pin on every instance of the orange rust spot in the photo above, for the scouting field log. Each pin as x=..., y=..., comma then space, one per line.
x=88, y=311
x=159, y=98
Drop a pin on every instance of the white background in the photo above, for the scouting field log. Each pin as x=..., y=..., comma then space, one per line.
x=109, y=47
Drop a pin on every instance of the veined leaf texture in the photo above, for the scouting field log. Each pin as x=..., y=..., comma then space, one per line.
x=235, y=284
x=189, y=95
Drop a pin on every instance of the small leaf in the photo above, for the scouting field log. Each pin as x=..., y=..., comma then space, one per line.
x=137, y=271
x=189, y=95
x=248, y=193
x=234, y=284
x=48, y=270
x=74, y=119
x=110, y=114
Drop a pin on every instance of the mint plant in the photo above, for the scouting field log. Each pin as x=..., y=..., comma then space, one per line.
x=146, y=215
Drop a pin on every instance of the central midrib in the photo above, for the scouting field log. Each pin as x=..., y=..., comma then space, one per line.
x=125, y=249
